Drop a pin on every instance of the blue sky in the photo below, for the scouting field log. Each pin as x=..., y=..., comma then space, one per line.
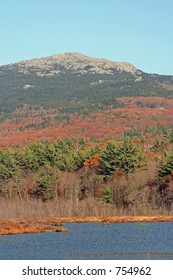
x=136, y=31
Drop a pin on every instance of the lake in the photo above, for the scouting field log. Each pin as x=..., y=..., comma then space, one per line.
x=93, y=241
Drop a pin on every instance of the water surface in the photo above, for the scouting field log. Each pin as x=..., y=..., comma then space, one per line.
x=95, y=241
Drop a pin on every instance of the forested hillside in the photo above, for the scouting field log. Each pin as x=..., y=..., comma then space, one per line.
x=84, y=136
x=70, y=177
x=73, y=83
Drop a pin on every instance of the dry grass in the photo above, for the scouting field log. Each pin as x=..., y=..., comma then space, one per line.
x=132, y=201
x=21, y=226
x=31, y=208
x=34, y=209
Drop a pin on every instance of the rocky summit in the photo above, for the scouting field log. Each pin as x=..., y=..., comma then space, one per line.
x=78, y=63
x=75, y=83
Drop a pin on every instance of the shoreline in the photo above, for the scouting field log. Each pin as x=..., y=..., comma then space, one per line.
x=56, y=224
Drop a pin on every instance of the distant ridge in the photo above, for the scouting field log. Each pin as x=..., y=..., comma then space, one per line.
x=74, y=83
x=76, y=62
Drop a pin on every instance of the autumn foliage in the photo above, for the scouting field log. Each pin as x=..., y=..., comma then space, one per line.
x=130, y=175
x=118, y=159
x=137, y=116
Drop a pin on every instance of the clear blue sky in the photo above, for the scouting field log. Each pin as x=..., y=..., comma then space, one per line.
x=136, y=31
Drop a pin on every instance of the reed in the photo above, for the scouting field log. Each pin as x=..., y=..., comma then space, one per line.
x=30, y=208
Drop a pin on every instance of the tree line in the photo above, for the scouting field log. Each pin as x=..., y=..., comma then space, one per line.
x=107, y=172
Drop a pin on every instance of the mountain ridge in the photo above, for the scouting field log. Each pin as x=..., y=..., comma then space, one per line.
x=75, y=83
x=75, y=95
x=74, y=61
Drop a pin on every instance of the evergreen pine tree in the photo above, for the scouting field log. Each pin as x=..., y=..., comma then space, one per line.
x=127, y=157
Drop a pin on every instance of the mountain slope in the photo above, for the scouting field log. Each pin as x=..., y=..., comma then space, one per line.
x=75, y=83
x=75, y=62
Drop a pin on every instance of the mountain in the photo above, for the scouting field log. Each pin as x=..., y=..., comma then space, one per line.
x=75, y=62
x=73, y=95
x=75, y=83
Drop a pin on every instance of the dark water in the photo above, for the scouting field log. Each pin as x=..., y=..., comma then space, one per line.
x=95, y=241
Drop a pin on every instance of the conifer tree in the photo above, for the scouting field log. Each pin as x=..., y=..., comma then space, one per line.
x=127, y=157
x=166, y=166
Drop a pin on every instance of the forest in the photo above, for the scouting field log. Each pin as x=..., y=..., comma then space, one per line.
x=74, y=142
x=70, y=92
x=71, y=177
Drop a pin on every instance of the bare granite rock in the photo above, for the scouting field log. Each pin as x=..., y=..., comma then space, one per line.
x=75, y=62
